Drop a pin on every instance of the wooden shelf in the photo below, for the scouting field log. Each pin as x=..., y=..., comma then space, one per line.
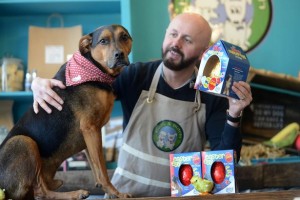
x=16, y=96
x=42, y=7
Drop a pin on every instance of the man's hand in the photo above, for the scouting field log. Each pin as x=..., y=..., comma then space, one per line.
x=243, y=91
x=43, y=92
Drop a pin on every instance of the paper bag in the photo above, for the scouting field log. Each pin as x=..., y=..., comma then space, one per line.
x=49, y=48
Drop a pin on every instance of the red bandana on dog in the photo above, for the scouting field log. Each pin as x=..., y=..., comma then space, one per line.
x=80, y=70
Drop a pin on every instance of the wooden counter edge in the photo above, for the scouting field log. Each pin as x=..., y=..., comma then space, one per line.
x=275, y=195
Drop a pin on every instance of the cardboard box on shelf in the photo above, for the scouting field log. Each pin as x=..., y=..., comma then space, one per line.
x=49, y=48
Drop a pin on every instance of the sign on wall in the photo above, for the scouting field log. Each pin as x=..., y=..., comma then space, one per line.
x=244, y=23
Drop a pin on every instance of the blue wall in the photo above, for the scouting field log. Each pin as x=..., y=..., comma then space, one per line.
x=147, y=22
x=278, y=52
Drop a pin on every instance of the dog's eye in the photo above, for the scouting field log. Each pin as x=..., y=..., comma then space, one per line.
x=124, y=37
x=103, y=41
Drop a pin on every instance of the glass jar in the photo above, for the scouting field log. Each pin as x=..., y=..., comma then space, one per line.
x=12, y=74
x=3, y=133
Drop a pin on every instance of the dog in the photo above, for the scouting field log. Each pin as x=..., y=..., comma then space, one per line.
x=36, y=146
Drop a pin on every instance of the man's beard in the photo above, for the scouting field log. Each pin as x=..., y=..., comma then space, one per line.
x=184, y=63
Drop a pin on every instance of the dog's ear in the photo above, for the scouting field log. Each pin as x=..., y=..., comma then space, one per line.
x=85, y=43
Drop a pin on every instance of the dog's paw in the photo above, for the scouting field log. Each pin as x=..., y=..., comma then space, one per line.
x=83, y=194
x=124, y=195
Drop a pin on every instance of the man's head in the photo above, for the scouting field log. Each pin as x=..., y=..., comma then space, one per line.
x=187, y=37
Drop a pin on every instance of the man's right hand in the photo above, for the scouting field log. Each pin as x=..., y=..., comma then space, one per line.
x=43, y=92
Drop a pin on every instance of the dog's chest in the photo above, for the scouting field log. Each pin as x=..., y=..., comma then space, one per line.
x=92, y=103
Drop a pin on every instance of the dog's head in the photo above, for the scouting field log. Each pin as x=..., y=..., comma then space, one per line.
x=109, y=46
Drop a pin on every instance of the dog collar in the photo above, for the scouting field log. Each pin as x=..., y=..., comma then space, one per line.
x=80, y=70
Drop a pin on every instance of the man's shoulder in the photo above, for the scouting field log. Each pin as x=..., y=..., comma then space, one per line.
x=142, y=70
x=148, y=66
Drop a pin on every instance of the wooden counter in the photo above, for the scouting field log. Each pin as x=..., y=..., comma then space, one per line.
x=249, y=177
x=278, y=195
x=262, y=176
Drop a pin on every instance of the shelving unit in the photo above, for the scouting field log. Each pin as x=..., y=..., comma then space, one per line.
x=42, y=7
x=17, y=15
x=16, y=96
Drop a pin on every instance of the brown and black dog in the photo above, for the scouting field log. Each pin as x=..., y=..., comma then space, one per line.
x=37, y=145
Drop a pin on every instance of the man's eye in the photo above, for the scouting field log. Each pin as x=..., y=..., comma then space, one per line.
x=188, y=41
x=173, y=34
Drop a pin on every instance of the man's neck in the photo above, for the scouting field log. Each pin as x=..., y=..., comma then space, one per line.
x=177, y=79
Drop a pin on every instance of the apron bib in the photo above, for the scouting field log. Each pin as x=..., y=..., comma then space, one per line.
x=158, y=126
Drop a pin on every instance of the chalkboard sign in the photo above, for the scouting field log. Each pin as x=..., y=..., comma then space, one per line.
x=268, y=113
x=268, y=116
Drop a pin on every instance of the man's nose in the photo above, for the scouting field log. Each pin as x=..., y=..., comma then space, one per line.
x=177, y=42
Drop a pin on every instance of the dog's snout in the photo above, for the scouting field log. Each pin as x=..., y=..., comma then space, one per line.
x=119, y=54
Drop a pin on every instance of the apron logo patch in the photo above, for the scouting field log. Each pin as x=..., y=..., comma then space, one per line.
x=167, y=135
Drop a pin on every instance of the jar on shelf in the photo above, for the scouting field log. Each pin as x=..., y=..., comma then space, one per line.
x=12, y=74
x=3, y=133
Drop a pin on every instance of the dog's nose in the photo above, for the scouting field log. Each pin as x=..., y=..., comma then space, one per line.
x=119, y=54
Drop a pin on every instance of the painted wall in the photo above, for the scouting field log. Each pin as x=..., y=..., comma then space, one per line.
x=278, y=52
x=147, y=21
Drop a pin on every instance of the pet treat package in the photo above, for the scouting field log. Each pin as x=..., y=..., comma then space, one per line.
x=200, y=173
x=219, y=167
x=182, y=167
x=221, y=65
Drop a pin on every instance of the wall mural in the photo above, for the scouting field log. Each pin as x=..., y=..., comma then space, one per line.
x=241, y=22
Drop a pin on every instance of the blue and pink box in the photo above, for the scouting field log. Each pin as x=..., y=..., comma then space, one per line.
x=221, y=65
x=214, y=162
x=205, y=164
x=189, y=161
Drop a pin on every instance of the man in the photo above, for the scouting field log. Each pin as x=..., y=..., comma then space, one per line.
x=163, y=114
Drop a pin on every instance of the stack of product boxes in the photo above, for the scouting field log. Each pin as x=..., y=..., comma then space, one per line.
x=215, y=166
x=221, y=65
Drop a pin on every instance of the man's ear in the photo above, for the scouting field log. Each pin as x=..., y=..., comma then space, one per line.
x=85, y=44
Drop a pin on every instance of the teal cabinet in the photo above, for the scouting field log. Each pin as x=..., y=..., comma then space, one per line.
x=17, y=15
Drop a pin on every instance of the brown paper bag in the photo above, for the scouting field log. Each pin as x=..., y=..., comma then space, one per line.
x=49, y=48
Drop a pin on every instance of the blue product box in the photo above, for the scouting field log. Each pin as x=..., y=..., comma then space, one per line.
x=182, y=167
x=221, y=65
x=219, y=167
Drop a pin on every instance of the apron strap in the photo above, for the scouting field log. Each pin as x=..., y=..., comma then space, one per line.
x=197, y=95
x=155, y=81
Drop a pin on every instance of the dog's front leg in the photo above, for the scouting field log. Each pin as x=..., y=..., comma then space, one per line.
x=93, y=142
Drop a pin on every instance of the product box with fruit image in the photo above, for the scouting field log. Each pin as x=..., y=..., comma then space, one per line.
x=219, y=166
x=183, y=166
x=221, y=65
